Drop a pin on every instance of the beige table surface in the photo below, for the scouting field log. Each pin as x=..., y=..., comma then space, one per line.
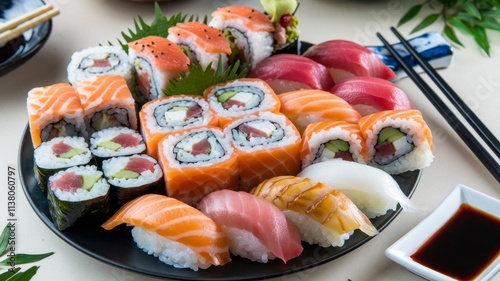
x=82, y=24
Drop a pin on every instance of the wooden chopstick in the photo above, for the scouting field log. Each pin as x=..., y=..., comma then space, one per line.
x=15, y=27
x=481, y=153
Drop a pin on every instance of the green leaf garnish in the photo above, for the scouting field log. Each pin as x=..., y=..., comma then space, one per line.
x=26, y=258
x=450, y=33
x=24, y=275
x=197, y=79
x=4, y=240
x=9, y=273
x=430, y=19
x=412, y=12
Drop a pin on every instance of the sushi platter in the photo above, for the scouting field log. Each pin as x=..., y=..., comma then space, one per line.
x=259, y=132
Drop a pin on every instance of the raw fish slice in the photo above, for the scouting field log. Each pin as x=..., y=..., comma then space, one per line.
x=304, y=107
x=253, y=19
x=241, y=210
x=288, y=72
x=175, y=221
x=345, y=59
x=371, y=94
x=207, y=37
x=304, y=200
x=371, y=189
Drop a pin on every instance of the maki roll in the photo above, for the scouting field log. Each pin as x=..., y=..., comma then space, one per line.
x=328, y=140
x=100, y=60
x=173, y=114
x=196, y=162
x=132, y=176
x=116, y=141
x=267, y=145
x=397, y=140
x=107, y=102
x=156, y=60
x=75, y=193
x=249, y=31
x=58, y=154
x=54, y=111
x=237, y=98
x=203, y=44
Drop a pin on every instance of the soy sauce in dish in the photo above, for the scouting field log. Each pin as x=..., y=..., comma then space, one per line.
x=10, y=48
x=464, y=246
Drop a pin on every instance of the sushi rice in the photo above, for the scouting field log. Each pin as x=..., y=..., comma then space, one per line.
x=113, y=165
x=243, y=243
x=100, y=188
x=107, y=134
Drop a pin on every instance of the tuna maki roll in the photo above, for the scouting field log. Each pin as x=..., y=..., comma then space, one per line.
x=116, y=141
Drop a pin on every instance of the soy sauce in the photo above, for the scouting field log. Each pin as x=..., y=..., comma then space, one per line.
x=464, y=246
x=8, y=49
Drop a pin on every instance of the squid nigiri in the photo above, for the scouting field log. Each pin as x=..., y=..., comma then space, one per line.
x=371, y=189
x=255, y=228
x=324, y=215
x=372, y=94
x=346, y=59
x=178, y=234
x=288, y=72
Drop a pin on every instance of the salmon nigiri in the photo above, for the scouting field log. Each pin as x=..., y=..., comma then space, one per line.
x=180, y=235
x=324, y=215
x=304, y=107
x=255, y=228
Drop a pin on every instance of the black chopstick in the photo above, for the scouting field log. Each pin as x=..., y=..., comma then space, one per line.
x=457, y=102
x=482, y=154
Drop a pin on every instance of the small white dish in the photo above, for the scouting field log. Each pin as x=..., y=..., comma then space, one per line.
x=401, y=251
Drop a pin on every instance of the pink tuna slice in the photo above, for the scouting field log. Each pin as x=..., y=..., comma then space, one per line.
x=248, y=212
x=287, y=72
x=61, y=148
x=101, y=63
x=144, y=86
x=346, y=59
x=127, y=140
x=201, y=147
x=69, y=182
x=252, y=132
x=371, y=94
x=139, y=165
x=193, y=111
x=232, y=102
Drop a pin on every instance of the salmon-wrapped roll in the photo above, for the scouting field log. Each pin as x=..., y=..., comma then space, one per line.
x=397, y=140
x=267, y=144
x=196, y=162
x=54, y=111
x=324, y=215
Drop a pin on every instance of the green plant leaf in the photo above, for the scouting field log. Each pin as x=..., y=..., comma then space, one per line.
x=9, y=273
x=24, y=275
x=4, y=240
x=465, y=16
x=491, y=13
x=410, y=14
x=430, y=19
x=461, y=25
x=489, y=24
x=450, y=33
x=26, y=258
x=481, y=39
x=471, y=9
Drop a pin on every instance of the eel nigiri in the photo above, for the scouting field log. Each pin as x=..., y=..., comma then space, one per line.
x=180, y=235
x=304, y=107
x=371, y=189
x=255, y=228
x=346, y=59
x=324, y=215
x=372, y=94
x=288, y=72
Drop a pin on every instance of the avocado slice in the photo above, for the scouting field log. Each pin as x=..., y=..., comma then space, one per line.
x=89, y=181
x=73, y=152
x=179, y=108
x=109, y=144
x=126, y=174
x=389, y=134
x=224, y=97
x=337, y=145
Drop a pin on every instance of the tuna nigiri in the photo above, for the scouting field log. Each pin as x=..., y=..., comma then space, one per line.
x=180, y=235
x=345, y=59
x=255, y=228
x=371, y=94
x=304, y=107
x=324, y=215
x=288, y=72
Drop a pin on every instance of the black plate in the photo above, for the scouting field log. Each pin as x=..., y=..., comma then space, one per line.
x=117, y=248
x=31, y=40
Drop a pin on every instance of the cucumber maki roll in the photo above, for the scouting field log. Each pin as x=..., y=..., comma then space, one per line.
x=58, y=154
x=132, y=176
x=75, y=193
x=116, y=141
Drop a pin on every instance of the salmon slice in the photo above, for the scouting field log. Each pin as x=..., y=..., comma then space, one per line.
x=165, y=54
x=304, y=107
x=253, y=19
x=176, y=221
x=50, y=104
x=208, y=38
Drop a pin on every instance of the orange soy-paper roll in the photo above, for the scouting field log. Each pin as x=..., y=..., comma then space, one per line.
x=173, y=114
x=328, y=140
x=196, y=162
x=54, y=111
x=237, y=98
x=267, y=144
